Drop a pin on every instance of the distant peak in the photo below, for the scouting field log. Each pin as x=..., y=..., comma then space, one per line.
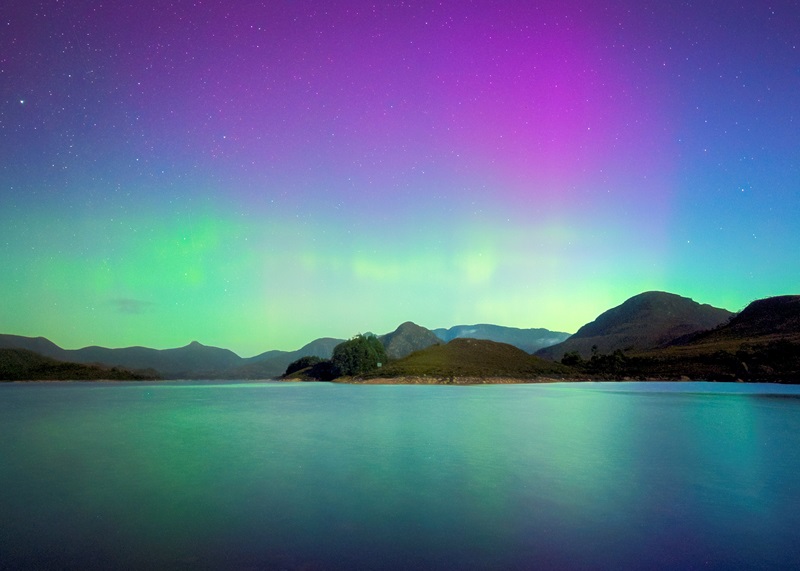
x=657, y=295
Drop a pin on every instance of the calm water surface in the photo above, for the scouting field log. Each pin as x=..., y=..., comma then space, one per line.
x=327, y=476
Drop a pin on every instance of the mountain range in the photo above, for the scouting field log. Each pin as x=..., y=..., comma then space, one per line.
x=193, y=361
x=198, y=361
x=651, y=335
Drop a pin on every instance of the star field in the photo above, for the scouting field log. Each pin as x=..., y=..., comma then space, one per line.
x=255, y=176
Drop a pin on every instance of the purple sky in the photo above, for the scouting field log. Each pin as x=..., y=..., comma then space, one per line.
x=255, y=175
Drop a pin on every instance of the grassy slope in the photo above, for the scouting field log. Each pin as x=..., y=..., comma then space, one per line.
x=471, y=358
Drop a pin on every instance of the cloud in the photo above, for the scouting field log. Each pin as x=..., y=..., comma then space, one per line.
x=131, y=306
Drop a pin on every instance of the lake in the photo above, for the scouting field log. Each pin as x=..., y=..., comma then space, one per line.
x=327, y=476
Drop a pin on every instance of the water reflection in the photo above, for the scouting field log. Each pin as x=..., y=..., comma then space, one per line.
x=342, y=477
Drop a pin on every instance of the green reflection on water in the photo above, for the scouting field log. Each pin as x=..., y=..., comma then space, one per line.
x=190, y=472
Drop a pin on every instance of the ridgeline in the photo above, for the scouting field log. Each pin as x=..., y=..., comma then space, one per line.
x=654, y=335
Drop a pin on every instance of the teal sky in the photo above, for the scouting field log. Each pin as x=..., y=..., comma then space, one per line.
x=257, y=177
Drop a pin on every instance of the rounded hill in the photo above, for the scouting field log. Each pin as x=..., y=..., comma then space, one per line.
x=470, y=358
x=645, y=321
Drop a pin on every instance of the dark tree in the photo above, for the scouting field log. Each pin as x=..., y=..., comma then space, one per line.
x=360, y=354
x=572, y=359
x=613, y=363
x=302, y=363
x=323, y=371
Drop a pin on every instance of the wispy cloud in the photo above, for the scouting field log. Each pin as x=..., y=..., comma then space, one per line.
x=131, y=306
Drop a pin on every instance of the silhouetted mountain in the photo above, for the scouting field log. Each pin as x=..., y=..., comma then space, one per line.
x=274, y=364
x=760, y=344
x=194, y=361
x=406, y=339
x=645, y=321
x=24, y=365
x=39, y=345
x=529, y=340
x=762, y=321
x=322, y=348
x=471, y=358
x=264, y=356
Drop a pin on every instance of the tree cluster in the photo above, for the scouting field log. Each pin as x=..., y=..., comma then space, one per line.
x=613, y=363
x=357, y=356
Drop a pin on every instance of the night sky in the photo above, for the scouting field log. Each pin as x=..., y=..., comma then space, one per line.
x=254, y=175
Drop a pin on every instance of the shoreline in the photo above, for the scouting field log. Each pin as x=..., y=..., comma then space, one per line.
x=470, y=380
x=418, y=380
